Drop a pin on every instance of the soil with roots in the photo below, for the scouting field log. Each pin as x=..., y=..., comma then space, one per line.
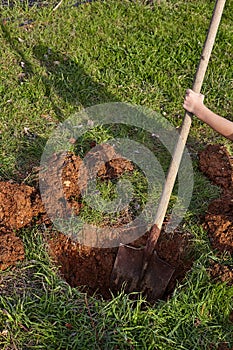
x=90, y=268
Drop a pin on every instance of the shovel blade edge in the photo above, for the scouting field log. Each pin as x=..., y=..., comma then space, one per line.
x=127, y=271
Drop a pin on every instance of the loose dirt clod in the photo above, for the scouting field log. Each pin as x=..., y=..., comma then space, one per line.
x=18, y=205
x=11, y=250
x=219, y=223
x=217, y=164
x=221, y=273
x=64, y=179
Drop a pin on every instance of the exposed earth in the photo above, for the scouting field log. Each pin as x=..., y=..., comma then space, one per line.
x=90, y=268
x=217, y=165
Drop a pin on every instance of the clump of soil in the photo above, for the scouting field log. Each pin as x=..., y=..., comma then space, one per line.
x=18, y=205
x=217, y=165
x=74, y=183
x=11, y=250
x=64, y=179
x=221, y=273
x=219, y=223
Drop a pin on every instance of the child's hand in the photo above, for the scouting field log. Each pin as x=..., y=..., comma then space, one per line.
x=193, y=101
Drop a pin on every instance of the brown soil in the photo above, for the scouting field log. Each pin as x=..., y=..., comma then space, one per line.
x=86, y=267
x=11, y=250
x=217, y=165
x=221, y=346
x=219, y=223
x=224, y=346
x=68, y=168
x=91, y=267
x=221, y=273
x=18, y=205
x=176, y=250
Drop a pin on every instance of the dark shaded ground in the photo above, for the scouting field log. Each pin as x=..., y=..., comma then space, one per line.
x=20, y=206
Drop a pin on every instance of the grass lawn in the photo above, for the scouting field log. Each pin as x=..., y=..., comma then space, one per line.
x=55, y=63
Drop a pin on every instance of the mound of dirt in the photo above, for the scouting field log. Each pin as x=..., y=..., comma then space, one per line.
x=219, y=223
x=217, y=164
x=19, y=204
x=11, y=250
x=221, y=273
x=64, y=179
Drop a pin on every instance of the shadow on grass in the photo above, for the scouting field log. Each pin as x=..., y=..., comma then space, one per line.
x=67, y=79
x=67, y=87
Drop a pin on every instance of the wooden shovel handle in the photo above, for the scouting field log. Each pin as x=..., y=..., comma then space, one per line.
x=178, y=151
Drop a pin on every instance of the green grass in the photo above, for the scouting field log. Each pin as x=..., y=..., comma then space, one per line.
x=76, y=57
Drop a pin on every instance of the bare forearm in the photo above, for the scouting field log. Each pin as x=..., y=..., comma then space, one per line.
x=216, y=122
x=193, y=103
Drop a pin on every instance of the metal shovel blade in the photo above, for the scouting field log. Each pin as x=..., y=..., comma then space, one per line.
x=127, y=273
x=156, y=278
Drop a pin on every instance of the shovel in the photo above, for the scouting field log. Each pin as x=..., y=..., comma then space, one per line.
x=140, y=269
